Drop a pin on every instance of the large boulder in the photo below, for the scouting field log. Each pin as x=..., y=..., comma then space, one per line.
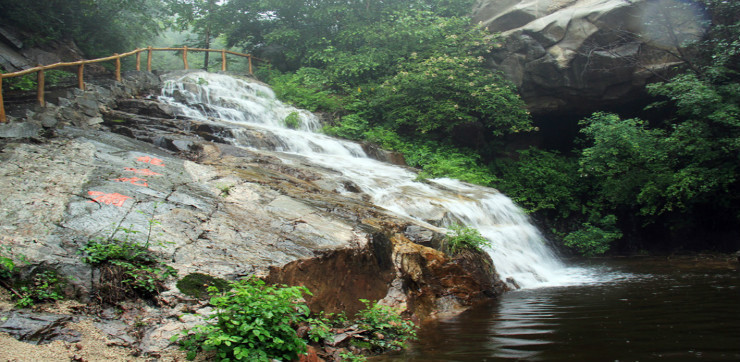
x=583, y=55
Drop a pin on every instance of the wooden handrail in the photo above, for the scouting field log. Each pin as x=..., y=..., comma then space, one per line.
x=117, y=58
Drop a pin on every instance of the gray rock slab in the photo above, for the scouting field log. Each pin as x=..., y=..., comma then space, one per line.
x=39, y=328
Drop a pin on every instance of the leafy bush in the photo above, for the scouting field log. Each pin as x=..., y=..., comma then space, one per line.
x=433, y=158
x=434, y=96
x=320, y=326
x=292, y=121
x=449, y=162
x=44, y=286
x=464, y=237
x=387, y=329
x=351, y=126
x=52, y=78
x=252, y=322
x=594, y=239
x=127, y=267
x=7, y=266
x=541, y=181
x=308, y=88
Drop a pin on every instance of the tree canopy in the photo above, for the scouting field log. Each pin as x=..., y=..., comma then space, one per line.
x=99, y=27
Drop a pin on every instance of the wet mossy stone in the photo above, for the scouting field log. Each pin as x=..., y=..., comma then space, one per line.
x=196, y=285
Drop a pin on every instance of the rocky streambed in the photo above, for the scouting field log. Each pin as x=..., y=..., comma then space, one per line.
x=112, y=161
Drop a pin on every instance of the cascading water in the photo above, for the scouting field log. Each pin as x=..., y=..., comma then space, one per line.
x=519, y=251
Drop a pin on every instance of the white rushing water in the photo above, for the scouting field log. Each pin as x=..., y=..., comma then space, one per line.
x=518, y=249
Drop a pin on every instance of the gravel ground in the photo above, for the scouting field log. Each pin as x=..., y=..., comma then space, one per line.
x=94, y=346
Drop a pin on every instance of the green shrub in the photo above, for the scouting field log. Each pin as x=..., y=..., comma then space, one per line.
x=292, y=121
x=594, y=238
x=7, y=265
x=351, y=357
x=253, y=322
x=320, y=326
x=44, y=286
x=351, y=127
x=463, y=237
x=307, y=89
x=40, y=287
x=52, y=78
x=542, y=181
x=432, y=97
x=387, y=330
x=127, y=267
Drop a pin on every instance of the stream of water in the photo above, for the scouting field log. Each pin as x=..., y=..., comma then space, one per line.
x=518, y=250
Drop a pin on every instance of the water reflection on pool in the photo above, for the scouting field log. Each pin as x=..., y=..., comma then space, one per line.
x=637, y=309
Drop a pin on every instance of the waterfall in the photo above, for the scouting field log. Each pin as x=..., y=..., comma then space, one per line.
x=518, y=249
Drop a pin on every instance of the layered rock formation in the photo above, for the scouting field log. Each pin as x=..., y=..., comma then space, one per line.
x=581, y=55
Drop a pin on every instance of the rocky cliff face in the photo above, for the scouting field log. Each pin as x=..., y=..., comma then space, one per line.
x=581, y=55
x=208, y=207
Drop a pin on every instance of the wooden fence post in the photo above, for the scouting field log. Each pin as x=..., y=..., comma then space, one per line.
x=80, y=76
x=2, y=105
x=185, y=56
x=40, y=87
x=118, y=67
x=149, y=59
x=223, y=60
x=138, y=61
x=250, y=64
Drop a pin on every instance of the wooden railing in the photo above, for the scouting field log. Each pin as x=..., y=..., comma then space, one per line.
x=39, y=70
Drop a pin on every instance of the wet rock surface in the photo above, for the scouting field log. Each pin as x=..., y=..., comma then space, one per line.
x=205, y=206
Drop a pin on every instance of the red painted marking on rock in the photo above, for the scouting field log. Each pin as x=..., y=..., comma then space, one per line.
x=114, y=199
x=150, y=160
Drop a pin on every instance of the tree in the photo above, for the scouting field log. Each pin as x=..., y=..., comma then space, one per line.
x=202, y=16
x=98, y=27
x=293, y=34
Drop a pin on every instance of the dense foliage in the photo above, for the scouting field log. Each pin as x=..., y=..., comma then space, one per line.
x=99, y=27
x=254, y=321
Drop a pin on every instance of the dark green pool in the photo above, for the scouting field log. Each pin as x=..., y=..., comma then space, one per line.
x=636, y=309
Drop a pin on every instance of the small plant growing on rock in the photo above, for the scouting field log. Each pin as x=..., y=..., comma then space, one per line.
x=386, y=328
x=292, y=121
x=44, y=286
x=225, y=190
x=463, y=237
x=7, y=265
x=127, y=268
x=40, y=287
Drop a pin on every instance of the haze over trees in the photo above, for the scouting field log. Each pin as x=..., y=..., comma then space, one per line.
x=413, y=76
